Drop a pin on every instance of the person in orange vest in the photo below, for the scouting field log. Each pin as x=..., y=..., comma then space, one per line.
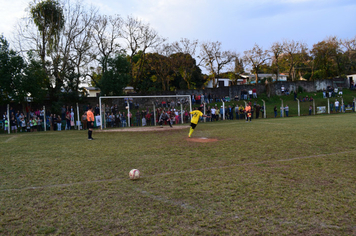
x=248, y=112
x=90, y=123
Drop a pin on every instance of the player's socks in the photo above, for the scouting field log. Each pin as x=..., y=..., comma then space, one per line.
x=190, y=131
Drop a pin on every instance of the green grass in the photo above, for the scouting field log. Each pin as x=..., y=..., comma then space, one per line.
x=294, y=176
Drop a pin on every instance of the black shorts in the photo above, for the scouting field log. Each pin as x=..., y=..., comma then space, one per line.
x=193, y=125
x=90, y=124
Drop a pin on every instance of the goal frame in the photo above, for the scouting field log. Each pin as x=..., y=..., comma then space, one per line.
x=154, y=111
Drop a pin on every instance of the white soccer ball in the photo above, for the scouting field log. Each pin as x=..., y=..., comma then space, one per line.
x=134, y=174
x=127, y=107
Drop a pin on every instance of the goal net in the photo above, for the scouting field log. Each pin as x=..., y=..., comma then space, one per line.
x=126, y=111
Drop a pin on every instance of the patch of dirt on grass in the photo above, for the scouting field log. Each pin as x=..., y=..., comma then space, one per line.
x=202, y=140
x=144, y=129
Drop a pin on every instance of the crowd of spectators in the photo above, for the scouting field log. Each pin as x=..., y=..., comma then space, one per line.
x=34, y=120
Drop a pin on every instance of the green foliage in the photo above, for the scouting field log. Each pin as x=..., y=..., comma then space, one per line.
x=11, y=76
x=300, y=89
x=116, y=77
x=19, y=80
x=49, y=19
x=35, y=79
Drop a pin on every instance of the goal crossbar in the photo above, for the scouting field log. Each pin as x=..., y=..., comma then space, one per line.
x=154, y=96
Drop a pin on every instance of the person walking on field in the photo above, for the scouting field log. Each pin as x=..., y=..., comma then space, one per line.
x=196, y=114
x=90, y=123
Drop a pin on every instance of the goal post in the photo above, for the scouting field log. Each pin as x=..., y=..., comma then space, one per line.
x=102, y=118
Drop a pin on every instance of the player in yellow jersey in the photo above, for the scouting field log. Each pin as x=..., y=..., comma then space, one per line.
x=196, y=114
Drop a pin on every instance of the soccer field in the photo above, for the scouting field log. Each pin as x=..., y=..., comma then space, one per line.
x=290, y=176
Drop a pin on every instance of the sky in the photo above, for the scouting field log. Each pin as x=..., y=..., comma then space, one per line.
x=237, y=24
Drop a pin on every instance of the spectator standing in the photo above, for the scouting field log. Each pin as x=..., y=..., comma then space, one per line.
x=231, y=114
x=72, y=123
x=23, y=124
x=148, y=118
x=54, y=122
x=138, y=118
x=197, y=99
x=97, y=109
x=222, y=112
x=248, y=112
x=250, y=93
x=258, y=107
x=337, y=104
x=13, y=124
x=254, y=93
x=118, y=119
x=59, y=123
x=68, y=120
x=275, y=111
x=242, y=112
x=39, y=124
x=310, y=109
x=213, y=111
x=63, y=112
x=237, y=111
x=286, y=109
x=217, y=113
x=84, y=120
x=123, y=119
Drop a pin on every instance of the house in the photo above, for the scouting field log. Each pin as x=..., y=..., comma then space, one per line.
x=351, y=78
x=92, y=92
x=252, y=77
x=95, y=92
x=224, y=82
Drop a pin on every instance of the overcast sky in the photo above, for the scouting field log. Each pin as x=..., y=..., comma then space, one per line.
x=237, y=24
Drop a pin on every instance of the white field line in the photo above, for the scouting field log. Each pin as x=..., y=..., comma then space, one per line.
x=178, y=172
x=9, y=139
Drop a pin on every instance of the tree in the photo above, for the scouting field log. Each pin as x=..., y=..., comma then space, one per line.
x=327, y=57
x=106, y=34
x=293, y=50
x=19, y=80
x=183, y=63
x=62, y=37
x=139, y=38
x=49, y=19
x=276, y=50
x=184, y=67
x=349, y=46
x=35, y=80
x=256, y=57
x=11, y=68
x=116, y=77
x=215, y=59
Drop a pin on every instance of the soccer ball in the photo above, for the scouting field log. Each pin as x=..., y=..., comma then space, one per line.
x=134, y=174
x=127, y=107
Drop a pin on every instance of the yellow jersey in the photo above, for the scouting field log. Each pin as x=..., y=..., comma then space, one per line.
x=196, y=114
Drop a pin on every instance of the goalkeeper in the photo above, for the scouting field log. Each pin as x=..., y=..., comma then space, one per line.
x=196, y=114
x=164, y=117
